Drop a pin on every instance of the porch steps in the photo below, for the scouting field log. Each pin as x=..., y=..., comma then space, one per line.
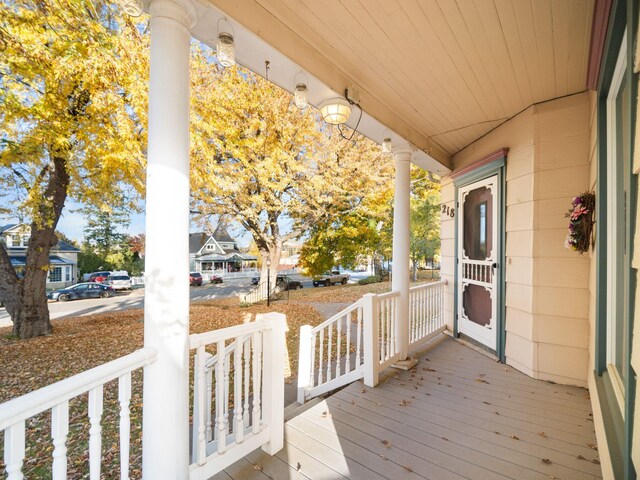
x=293, y=410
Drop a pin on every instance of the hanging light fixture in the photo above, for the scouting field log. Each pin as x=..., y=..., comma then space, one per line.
x=225, y=47
x=335, y=111
x=386, y=145
x=300, y=91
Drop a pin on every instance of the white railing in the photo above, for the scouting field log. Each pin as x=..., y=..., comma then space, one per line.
x=331, y=354
x=385, y=318
x=426, y=312
x=365, y=338
x=238, y=393
x=56, y=397
x=247, y=272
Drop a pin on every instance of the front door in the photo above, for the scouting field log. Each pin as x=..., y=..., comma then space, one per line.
x=477, y=261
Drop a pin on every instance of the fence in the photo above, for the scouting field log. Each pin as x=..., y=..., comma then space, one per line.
x=363, y=339
x=56, y=397
x=238, y=393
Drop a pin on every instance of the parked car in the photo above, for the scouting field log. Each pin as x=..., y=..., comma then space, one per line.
x=82, y=290
x=195, y=278
x=99, y=277
x=255, y=280
x=331, y=278
x=286, y=283
x=120, y=282
x=215, y=279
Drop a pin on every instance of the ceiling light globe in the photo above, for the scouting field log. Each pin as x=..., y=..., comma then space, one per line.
x=300, y=96
x=335, y=111
x=226, y=50
x=386, y=145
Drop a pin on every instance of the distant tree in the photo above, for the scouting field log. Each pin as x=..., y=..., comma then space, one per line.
x=72, y=89
x=259, y=160
x=65, y=238
x=425, y=221
x=103, y=229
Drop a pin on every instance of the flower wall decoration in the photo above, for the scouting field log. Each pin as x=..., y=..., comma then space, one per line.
x=581, y=222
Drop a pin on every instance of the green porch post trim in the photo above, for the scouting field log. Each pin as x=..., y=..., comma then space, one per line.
x=495, y=166
x=630, y=382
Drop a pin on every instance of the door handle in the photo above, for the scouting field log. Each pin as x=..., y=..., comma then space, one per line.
x=494, y=266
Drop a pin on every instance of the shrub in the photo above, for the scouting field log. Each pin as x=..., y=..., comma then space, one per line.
x=371, y=279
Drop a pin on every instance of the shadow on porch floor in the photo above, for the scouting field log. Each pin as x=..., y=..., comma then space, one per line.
x=458, y=414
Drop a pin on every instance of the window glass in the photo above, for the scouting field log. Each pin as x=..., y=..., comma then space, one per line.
x=55, y=274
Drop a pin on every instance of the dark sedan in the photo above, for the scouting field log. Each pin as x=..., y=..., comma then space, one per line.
x=215, y=279
x=286, y=283
x=82, y=290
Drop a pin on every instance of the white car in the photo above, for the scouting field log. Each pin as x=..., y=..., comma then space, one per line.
x=120, y=282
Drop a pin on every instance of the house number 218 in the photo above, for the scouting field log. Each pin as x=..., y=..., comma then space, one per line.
x=448, y=211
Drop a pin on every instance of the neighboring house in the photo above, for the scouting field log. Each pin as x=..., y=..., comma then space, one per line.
x=63, y=258
x=290, y=257
x=217, y=252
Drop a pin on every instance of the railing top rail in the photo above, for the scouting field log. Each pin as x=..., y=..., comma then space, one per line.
x=340, y=314
x=199, y=339
x=384, y=296
x=33, y=403
x=425, y=286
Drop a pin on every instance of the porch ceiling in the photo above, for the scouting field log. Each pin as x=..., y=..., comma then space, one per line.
x=440, y=73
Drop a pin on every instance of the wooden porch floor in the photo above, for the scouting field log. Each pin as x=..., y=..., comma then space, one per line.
x=457, y=415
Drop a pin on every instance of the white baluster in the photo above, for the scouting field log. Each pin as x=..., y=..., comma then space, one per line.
x=391, y=313
x=359, y=336
x=321, y=357
x=95, y=432
x=338, y=346
x=59, y=432
x=247, y=369
x=227, y=391
x=257, y=371
x=329, y=345
x=314, y=339
x=14, y=450
x=207, y=406
x=200, y=404
x=383, y=335
x=347, y=357
x=124, y=398
x=238, y=426
x=220, y=394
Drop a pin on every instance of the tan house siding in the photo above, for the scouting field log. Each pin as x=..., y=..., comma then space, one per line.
x=547, y=286
x=447, y=248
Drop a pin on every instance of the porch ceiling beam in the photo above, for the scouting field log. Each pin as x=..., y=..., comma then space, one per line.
x=262, y=23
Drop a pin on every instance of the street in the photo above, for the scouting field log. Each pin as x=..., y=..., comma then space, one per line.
x=135, y=299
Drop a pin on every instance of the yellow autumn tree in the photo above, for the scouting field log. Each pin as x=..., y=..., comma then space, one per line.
x=73, y=79
x=261, y=161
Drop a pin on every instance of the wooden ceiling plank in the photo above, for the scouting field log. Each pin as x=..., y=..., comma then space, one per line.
x=463, y=47
x=544, y=38
x=493, y=29
x=561, y=19
x=526, y=26
x=486, y=54
x=507, y=19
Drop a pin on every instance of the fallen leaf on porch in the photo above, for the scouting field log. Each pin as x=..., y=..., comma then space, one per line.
x=402, y=384
x=382, y=457
x=596, y=461
x=515, y=437
x=408, y=469
x=353, y=402
x=257, y=467
x=404, y=403
x=497, y=413
x=421, y=378
x=507, y=370
x=482, y=374
x=299, y=466
x=364, y=390
x=386, y=443
x=542, y=434
x=481, y=380
x=445, y=439
x=547, y=461
x=580, y=457
x=592, y=446
x=326, y=414
x=379, y=404
x=427, y=369
x=416, y=387
x=496, y=432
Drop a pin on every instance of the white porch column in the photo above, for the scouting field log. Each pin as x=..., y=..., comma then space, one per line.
x=400, y=269
x=165, y=440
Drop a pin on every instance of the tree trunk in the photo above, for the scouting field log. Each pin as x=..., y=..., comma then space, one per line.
x=271, y=256
x=414, y=268
x=25, y=298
